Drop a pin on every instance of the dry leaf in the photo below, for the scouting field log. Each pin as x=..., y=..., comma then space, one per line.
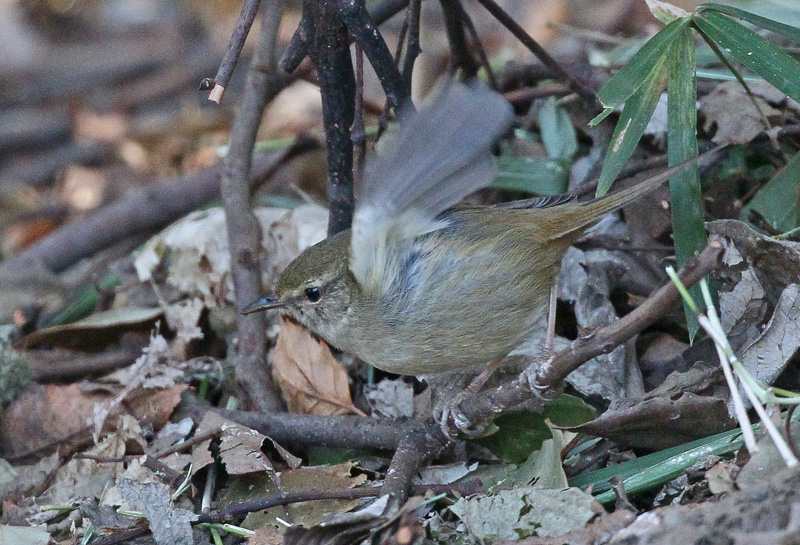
x=170, y=526
x=732, y=111
x=310, y=378
x=196, y=246
x=320, y=478
x=266, y=535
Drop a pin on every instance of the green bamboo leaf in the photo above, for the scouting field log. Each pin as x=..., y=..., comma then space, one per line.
x=788, y=31
x=688, y=225
x=652, y=467
x=762, y=57
x=663, y=472
x=635, y=115
x=633, y=75
x=777, y=201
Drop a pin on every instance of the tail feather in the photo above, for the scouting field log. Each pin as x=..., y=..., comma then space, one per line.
x=573, y=217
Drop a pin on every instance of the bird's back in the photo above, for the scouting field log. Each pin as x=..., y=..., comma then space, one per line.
x=462, y=296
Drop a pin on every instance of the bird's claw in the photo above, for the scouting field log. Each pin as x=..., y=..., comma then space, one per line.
x=454, y=424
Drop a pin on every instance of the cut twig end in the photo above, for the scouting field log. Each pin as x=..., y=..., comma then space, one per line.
x=216, y=93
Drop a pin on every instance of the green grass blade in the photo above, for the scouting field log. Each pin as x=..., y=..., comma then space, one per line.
x=634, y=75
x=688, y=225
x=774, y=26
x=762, y=57
x=635, y=115
x=778, y=200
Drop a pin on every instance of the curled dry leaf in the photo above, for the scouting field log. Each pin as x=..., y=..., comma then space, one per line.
x=768, y=273
x=586, y=280
x=239, y=449
x=310, y=378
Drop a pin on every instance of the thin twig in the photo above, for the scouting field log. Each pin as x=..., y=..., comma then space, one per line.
x=244, y=231
x=540, y=53
x=359, y=134
x=231, y=57
x=476, y=40
x=459, y=50
x=412, y=48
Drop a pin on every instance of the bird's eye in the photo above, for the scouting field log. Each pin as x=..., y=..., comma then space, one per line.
x=312, y=294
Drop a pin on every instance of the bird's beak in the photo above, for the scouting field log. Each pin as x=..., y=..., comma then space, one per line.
x=264, y=303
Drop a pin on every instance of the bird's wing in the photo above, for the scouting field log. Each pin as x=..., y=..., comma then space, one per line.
x=440, y=155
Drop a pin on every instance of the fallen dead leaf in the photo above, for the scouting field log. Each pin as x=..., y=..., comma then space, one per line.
x=737, y=119
x=266, y=535
x=310, y=378
x=526, y=512
x=170, y=525
x=304, y=479
x=97, y=329
x=55, y=415
x=239, y=449
x=85, y=478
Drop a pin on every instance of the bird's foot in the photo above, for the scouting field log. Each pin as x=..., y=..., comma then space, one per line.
x=454, y=424
x=530, y=377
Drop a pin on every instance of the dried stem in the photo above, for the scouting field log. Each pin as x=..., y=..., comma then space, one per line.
x=244, y=231
x=459, y=50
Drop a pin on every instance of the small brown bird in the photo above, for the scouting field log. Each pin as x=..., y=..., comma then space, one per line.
x=415, y=288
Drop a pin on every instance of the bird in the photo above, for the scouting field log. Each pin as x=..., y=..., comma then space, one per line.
x=420, y=285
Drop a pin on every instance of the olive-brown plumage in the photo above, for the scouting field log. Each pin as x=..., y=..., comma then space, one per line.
x=413, y=290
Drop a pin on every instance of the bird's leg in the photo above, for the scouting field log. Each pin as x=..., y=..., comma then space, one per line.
x=451, y=420
x=551, y=319
x=528, y=376
x=478, y=382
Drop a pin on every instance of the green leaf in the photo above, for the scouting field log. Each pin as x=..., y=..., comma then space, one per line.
x=540, y=175
x=788, y=31
x=567, y=411
x=655, y=469
x=777, y=201
x=762, y=57
x=635, y=115
x=521, y=433
x=518, y=435
x=688, y=224
x=558, y=134
x=635, y=74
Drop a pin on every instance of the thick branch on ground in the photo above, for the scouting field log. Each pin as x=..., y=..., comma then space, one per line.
x=244, y=232
x=146, y=211
x=327, y=431
x=414, y=451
